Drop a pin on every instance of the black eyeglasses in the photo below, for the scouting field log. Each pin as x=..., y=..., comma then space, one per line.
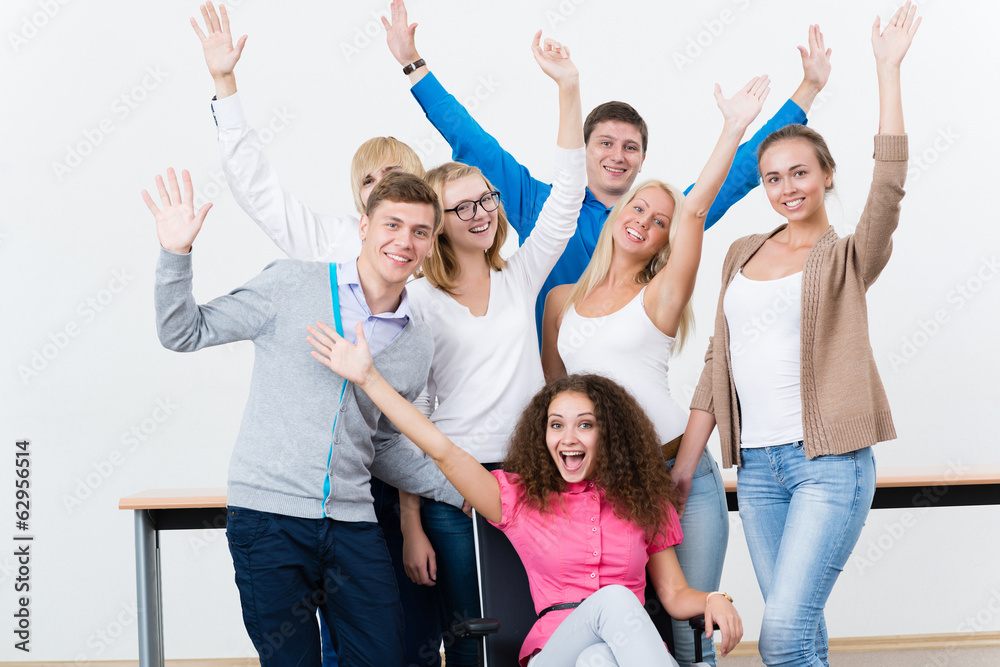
x=466, y=210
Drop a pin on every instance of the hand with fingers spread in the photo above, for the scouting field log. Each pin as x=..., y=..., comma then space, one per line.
x=746, y=103
x=554, y=60
x=349, y=361
x=891, y=44
x=816, y=60
x=399, y=35
x=220, y=54
x=177, y=223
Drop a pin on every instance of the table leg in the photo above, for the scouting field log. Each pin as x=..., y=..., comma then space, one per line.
x=147, y=586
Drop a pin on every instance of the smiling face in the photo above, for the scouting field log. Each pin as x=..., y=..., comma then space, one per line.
x=794, y=181
x=643, y=226
x=614, y=158
x=478, y=233
x=395, y=239
x=572, y=435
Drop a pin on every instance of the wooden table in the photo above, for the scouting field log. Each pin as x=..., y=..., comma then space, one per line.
x=919, y=486
x=195, y=509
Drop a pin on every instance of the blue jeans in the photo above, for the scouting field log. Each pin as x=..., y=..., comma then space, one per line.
x=421, y=604
x=802, y=519
x=287, y=568
x=706, y=536
x=450, y=532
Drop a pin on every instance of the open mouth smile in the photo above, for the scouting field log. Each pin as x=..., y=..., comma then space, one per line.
x=634, y=234
x=572, y=461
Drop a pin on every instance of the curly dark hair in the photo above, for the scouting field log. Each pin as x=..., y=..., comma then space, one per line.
x=629, y=465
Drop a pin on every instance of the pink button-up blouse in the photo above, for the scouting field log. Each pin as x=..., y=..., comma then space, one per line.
x=571, y=552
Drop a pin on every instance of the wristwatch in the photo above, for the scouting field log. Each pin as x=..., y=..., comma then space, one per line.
x=417, y=64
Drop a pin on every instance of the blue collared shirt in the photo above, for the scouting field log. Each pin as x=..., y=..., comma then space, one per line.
x=379, y=328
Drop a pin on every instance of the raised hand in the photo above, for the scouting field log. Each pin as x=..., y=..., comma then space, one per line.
x=816, y=60
x=399, y=35
x=220, y=54
x=746, y=103
x=891, y=44
x=554, y=60
x=349, y=361
x=177, y=224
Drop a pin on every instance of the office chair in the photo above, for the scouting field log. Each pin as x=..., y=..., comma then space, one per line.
x=504, y=594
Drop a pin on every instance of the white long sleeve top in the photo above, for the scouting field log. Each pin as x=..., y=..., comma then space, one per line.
x=297, y=230
x=486, y=369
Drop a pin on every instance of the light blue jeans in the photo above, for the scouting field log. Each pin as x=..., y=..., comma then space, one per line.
x=706, y=535
x=802, y=519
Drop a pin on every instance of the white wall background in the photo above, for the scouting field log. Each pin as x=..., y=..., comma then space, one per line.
x=123, y=86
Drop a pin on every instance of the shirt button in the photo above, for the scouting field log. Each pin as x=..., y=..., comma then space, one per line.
x=593, y=575
x=343, y=408
x=590, y=484
x=593, y=518
x=595, y=553
x=594, y=529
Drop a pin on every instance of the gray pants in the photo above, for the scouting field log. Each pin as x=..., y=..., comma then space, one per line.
x=610, y=629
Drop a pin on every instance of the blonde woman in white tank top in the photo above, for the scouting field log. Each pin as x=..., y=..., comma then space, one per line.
x=631, y=305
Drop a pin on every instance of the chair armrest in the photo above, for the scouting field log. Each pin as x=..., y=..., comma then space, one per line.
x=698, y=623
x=479, y=627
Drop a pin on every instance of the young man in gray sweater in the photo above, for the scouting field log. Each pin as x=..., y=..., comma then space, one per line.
x=302, y=529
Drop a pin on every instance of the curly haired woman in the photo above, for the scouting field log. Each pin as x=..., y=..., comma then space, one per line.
x=586, y=502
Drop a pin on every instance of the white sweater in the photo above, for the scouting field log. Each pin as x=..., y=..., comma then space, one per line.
x=486, y=369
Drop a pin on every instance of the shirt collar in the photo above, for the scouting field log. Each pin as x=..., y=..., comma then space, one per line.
x=580, y=487
x=347, y=275
x=591, y=201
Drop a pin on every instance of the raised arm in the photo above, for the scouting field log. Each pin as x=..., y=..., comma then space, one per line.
x=297, y=230
x=354, y=363
x=671, y=288
x=744, y=176
x=871, y=243
x=220, y=54
x=182, y=324
x=521, y=193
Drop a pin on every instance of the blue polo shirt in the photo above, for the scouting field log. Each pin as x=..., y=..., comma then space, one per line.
x=524, y=195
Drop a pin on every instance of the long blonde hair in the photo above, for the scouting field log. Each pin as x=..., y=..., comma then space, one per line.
x=600, y=263
x=441, y=268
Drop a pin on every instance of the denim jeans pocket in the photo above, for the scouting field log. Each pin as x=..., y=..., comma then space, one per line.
x=245, y=526
x=848, y=456
x=704, y=466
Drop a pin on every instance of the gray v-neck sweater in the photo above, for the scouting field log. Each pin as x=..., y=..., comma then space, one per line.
x=309, y=441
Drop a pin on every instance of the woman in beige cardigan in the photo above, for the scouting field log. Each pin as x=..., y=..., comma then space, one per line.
x=789, y=374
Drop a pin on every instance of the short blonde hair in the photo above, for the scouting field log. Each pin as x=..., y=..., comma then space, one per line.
x=600, y=263
x=378, y=152
x=441, y=268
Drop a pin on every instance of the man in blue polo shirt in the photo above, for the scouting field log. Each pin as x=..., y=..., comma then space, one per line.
x=616, y=139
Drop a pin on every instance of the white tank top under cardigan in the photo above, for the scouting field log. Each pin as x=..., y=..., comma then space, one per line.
x=626, y=347
x=765, y=328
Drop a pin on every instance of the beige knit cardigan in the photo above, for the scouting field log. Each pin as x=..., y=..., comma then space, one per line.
x=844, y=406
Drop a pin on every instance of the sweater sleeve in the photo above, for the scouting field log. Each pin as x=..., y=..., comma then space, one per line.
x=871, y=243
x=471, y=144
x=399, y=463
x=184, y=326
x=744, y=175
x=297, y=230
x=702, y=399
x=556, y=223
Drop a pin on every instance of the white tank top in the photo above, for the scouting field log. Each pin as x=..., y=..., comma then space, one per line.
x=626, y=347
x=765, y=323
